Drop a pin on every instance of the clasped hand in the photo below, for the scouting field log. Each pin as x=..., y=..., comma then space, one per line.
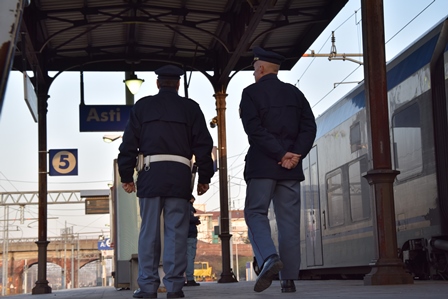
x=290, y=160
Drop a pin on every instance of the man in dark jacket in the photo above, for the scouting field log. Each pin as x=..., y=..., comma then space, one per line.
x=192, y=242
x=166, y=130
x=281, y=129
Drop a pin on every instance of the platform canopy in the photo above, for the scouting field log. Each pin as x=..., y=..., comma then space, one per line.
x=142, y=35
x=215, y=37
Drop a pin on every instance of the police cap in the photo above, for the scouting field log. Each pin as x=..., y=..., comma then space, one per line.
x=261, y=54
x=170, y=72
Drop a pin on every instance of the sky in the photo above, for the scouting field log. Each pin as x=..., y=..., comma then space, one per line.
x=405, y=21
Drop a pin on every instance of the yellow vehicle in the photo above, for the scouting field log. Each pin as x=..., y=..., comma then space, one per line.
x=203, y=272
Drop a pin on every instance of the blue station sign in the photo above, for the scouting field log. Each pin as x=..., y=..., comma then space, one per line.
x=104, y=244
x=103, y=118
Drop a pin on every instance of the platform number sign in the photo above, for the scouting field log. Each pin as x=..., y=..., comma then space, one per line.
x=63, y=162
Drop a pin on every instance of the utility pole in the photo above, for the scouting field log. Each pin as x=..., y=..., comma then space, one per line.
x=64, y=276
x=72, y=284
x=237, y=265
x=25, y=279
x=5, y=250
x=103, y=272
x=77, y=259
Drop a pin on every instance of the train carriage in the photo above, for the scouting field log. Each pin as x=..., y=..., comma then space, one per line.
x=337, y=201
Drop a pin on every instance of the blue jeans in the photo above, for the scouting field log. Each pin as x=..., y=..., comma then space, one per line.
x=191, y=254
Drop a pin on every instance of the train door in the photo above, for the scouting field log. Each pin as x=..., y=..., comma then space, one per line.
x=311, y=204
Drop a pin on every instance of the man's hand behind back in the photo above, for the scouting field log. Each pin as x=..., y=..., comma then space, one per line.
x=290, y=160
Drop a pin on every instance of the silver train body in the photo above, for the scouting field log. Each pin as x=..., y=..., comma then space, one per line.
x=337, y=201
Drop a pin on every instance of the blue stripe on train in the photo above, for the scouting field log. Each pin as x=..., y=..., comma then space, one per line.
x=345, y=109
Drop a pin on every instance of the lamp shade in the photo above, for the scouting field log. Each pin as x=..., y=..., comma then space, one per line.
x=133, y=83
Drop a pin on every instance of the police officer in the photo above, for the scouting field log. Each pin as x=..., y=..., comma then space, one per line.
x=281, y=129
x=166, y=130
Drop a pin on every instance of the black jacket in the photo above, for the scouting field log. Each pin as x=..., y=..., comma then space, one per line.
x=166, y=124
x=277, y=118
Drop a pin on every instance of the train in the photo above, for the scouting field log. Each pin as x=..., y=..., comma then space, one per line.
x=337, y=218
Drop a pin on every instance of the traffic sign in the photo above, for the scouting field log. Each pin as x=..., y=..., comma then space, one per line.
x=63, y=162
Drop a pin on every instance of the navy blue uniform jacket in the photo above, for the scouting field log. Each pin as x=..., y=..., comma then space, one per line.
x=277, y=118
x=166, y=123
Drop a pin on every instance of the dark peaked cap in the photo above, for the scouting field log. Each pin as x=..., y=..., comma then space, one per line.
x=261, y=54
x=170, y=72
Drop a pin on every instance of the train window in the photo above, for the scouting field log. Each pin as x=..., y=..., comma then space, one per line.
x=335, y=199
x=407, y=142
x=358, y=191
x=355, y=137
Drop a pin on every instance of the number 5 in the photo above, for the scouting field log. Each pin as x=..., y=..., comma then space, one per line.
x=64, y=162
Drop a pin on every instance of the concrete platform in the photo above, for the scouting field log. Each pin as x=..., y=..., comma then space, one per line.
x=244, y=290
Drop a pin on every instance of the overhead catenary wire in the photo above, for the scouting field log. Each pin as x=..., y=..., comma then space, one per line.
x=85, y=182
x=216, y=178
x=335, y=87
x=325, y=43
x=410, y=21
x=9, y=181
x=357, y=23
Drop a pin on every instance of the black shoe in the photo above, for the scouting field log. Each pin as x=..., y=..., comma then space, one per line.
x=271, y=267
x=191, y=283
x=178, y=294
x=288, y=286
x=140, y=294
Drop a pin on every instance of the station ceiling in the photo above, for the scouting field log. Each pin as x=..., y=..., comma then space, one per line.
x=141, y=35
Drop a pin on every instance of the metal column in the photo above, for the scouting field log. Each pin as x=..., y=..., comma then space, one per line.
x=227, y=274
x=42, y=286
x=387, y=268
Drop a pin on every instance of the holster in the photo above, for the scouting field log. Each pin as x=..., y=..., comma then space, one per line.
x=194, y=170
x=140, y=163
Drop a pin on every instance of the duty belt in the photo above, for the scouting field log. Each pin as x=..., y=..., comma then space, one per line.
x=144, y=162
